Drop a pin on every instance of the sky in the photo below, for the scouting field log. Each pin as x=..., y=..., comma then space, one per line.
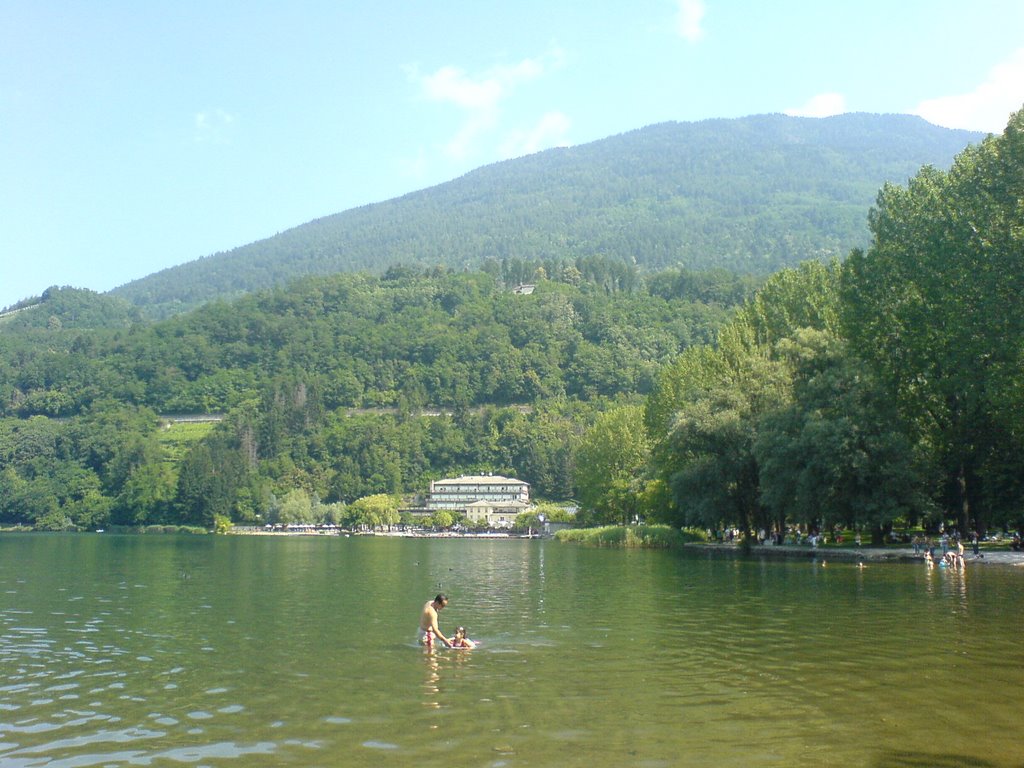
x=136, y=136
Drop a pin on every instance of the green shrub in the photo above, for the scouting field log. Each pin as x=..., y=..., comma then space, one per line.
x=630, y=537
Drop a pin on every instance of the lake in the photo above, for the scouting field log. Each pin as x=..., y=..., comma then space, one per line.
x=120, y=650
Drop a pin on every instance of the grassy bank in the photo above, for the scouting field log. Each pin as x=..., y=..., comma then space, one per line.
x=629, y=536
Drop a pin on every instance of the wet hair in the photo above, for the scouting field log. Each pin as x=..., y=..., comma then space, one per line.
x=441, y=598
x=460, y=629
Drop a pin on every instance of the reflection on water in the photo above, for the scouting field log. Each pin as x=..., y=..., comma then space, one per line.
x=118, y=651
x=432, y=686
x=438, y=664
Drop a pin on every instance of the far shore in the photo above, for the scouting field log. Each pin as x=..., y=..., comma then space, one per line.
x=868, y=554
x=418, y=534
x=856, y=554
x=823, y=554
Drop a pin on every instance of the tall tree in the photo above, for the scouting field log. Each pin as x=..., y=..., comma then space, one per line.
x=611, y=467
x=932, y=304
x=836, y=453
x=706, y=456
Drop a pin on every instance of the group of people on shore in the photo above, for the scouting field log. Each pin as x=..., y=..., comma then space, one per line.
x=430, y=632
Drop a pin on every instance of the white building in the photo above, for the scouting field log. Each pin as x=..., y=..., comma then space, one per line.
x=458, y=493
x=496, y=514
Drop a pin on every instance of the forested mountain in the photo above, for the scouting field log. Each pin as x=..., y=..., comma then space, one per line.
x=884, y=389
x=751, y=195
x=335, y=387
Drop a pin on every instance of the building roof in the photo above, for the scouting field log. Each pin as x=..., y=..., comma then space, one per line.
x=479, y=479
x=498, y=504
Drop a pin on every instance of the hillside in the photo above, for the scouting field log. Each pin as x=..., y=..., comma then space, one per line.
x=69, y=308
x=344, y=385
x=452, y=340
x=751, y=195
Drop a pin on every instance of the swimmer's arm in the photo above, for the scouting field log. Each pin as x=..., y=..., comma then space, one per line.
x=437, y=631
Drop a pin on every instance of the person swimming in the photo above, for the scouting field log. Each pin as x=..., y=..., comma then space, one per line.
x=459, y=640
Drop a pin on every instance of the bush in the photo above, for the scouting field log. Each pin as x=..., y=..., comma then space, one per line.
x=163, y=529
x=630, y=537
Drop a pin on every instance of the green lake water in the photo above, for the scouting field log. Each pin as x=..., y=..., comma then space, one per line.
x=260, y=651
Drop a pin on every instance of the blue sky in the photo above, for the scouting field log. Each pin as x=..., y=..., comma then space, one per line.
x=135, y=136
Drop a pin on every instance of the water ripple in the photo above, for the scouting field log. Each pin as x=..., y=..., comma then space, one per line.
x=590, y=659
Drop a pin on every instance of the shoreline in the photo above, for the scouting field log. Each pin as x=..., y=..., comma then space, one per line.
x=381, y=534
x=852, y=555
x=867, y=554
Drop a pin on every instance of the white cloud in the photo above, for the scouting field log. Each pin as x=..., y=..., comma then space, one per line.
x=988, y=107
x=452, y=85
x=212, y=127
x=822, y=105
x=550, y=131
x=479, y=96
x=688, y=20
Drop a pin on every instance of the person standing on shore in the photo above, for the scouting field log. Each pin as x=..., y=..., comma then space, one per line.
x=428, y=622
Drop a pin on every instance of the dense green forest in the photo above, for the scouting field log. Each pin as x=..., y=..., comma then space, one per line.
x=336, y=387
x=750, y=195
x=886, y=389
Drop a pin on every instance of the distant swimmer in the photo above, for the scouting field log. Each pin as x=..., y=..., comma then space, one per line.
x=428, y=622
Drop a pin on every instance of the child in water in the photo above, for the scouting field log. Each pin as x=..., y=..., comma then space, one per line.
x=461, y=641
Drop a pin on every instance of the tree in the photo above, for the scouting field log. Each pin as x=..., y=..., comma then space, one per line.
x=611, y=467
x=442, y=519
x=706, y=457
x=708, y=410
x=376, y=511
x=209, y=481
x=835, y=454
x=143, y=483
x=146, y=495
x=334, y=513
x=927, y=306
x=296, y=508
x=554, y=513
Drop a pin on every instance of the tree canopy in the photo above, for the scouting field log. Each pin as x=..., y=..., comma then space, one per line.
x=886, y=389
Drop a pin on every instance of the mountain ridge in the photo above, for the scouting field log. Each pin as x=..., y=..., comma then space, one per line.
x=751, y=194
